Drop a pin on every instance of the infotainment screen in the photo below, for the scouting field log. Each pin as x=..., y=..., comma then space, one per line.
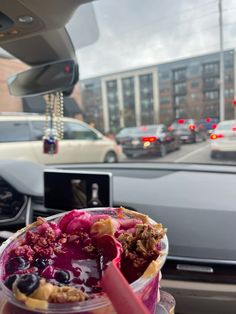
x=67, y=189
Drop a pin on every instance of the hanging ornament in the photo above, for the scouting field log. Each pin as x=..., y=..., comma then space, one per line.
x=53, y=123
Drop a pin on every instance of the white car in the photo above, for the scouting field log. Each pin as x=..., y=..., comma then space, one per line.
x=223, y=139
x=21, y=138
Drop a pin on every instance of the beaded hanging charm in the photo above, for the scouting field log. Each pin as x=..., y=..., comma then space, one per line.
x=53, y=123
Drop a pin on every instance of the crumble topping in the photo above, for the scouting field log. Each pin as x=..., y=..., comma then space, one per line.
x=142, y=245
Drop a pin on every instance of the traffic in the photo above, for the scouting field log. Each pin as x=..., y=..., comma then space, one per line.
x=185, y=140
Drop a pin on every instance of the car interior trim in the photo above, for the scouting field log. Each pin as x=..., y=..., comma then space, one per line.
x=195, y=268
x=201, y=260
x=18, y=215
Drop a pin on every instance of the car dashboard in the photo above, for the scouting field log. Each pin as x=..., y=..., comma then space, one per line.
x=194, y=202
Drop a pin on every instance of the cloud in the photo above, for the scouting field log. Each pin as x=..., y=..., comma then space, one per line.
x=135, y=33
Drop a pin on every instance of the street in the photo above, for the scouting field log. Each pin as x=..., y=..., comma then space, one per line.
x=189, y=153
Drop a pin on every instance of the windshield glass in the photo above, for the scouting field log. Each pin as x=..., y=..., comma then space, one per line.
x=144, y=67
x=147, y=129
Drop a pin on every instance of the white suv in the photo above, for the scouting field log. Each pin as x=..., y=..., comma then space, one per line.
x=21, y=139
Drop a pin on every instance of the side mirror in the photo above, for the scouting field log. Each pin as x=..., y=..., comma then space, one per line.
x=43, y=79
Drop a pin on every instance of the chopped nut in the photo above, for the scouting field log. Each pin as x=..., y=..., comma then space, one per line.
x=142, y=246
x=67, y=294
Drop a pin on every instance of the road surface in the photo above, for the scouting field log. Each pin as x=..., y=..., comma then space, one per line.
x=190, y=153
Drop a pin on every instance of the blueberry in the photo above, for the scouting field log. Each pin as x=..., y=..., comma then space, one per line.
x=16, y=263
x=27, y=283
x=41, y=263
x=10, y=280
x=62, y=276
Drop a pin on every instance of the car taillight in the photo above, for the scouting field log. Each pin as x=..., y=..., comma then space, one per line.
x=181, y=121
x=234, y=128
x=150, y=139
x=192, y=127
x=213, y=126
x=216, y=136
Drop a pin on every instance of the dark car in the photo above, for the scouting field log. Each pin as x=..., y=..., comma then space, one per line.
x=189, y=130
x=209, y=123
x=148, y=140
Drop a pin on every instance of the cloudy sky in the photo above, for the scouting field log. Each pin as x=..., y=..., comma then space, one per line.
x=135, y=33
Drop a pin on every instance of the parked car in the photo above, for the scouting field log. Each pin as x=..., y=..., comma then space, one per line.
x=223, y=139
x=189, y=130
x=148, y=140
x=21, y=138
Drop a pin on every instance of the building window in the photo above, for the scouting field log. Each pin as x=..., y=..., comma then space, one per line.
x=212, y=95
x=194, y=96
x=210, y=82
x=229, y=93
x=229, y=60
x=146, y=98
x=164, y=100
x=180, y=100
x=164, y=75
x=194, y=84
x=180, y=88
x=211, y=68
x=229, y=78
x=194, y=69
x=164, y=87
x=129, y=101
x=89, y=86
x=179, y=74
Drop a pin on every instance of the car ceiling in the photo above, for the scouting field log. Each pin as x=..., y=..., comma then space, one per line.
x=43, y=40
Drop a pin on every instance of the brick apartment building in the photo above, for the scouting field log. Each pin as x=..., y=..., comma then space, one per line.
x=187, y=88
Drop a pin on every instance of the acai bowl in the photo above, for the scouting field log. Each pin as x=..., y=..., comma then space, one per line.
x=54, y=265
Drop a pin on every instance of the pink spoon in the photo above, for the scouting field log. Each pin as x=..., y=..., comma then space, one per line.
x=114, y=283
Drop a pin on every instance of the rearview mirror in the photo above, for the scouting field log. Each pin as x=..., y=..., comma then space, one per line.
x=43, y=79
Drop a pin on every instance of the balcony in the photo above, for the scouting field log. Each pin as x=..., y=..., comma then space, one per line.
x=178, y=78
x=210, y=86
x=207, y=73
x=180, y=91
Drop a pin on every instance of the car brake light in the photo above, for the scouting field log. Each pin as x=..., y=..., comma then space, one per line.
x=208, y=120
x=192, y=127
x=150, y=139
x=213, y=126
x=181, y=121
x=216, y=136
x=234, y=128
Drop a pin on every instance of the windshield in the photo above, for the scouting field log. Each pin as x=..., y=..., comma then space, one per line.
x=147, y=129
x=145, y=67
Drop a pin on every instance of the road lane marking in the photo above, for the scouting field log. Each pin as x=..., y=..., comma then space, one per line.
x=196, y=151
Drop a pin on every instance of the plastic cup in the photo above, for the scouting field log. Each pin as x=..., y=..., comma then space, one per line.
x=147, y=288
x=167, y=301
